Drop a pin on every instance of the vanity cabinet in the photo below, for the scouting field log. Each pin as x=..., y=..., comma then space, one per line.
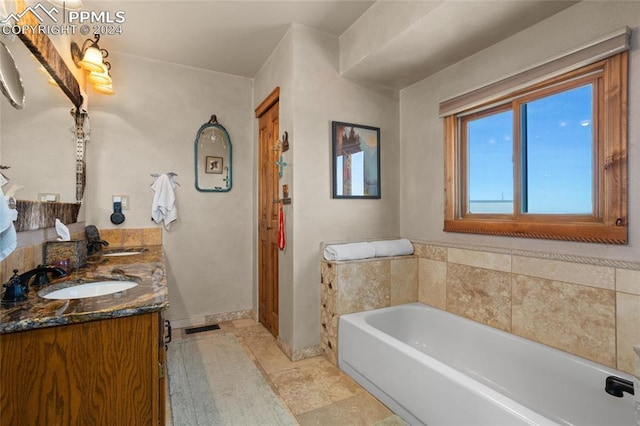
x=102, y=372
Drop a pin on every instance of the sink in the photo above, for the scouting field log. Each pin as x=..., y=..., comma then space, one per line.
x=92, y=289
x=122, y=253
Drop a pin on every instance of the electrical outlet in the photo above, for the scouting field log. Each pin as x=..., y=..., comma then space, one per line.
x=123, y=199
x=48, y=197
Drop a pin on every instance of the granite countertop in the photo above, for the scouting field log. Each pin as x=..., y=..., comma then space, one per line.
x=149, y=295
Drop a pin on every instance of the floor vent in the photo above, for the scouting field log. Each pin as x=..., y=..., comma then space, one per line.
x=201, y=329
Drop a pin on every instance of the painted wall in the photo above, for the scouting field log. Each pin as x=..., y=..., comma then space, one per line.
x=149, y=126
x=278, y=72
x=422, y=171
x=305, y=66
x=320, y=96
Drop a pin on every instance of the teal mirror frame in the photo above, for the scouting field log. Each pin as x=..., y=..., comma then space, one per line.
x=201, y=157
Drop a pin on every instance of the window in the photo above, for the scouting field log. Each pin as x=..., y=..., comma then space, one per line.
x=545, y=161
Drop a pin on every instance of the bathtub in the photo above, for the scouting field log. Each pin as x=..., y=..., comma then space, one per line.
x=436, y=368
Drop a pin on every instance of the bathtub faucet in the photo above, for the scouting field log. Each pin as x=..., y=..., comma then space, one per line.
x=616, y=386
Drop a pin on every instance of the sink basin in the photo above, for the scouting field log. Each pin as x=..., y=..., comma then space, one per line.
x=122, y=253
x=92, y=289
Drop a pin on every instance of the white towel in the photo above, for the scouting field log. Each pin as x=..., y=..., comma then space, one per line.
x=8, y=237
x=164, y=208
x=350, y=251
x=393, y=247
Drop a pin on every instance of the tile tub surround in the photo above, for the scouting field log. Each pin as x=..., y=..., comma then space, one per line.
x=150, y=295
x=361, y=285
x=589, y=307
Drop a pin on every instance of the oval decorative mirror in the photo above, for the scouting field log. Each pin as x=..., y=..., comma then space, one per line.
x=213, y=160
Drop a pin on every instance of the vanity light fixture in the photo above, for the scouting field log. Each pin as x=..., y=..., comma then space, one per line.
x=101, y=78
x=91, y=58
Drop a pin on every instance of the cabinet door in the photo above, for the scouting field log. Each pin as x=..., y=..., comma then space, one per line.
x=162, y=371
x=94, y=373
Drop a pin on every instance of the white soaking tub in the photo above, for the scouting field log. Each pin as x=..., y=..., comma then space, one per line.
x=436, y=368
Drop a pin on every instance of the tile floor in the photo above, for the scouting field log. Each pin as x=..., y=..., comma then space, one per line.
x=316, y=392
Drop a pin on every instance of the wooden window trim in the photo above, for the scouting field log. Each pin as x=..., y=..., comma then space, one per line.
x=609, y=224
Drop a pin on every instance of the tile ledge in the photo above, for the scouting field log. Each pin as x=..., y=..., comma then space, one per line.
x=623, y=264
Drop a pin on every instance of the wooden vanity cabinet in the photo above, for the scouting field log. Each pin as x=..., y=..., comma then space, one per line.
x=103, y=372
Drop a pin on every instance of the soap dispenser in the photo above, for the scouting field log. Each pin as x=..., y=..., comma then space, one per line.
x=14, y=292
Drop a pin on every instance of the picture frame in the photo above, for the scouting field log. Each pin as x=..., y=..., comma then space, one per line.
x=213, y=165
x=355, y=157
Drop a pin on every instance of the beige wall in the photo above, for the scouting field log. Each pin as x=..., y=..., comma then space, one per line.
x=149, y=126
x=278, y=72
x=321, y=96
x=314, y=94
x=422, y=201
x=524, y=294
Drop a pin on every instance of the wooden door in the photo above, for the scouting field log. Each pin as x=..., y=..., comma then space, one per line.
x=268, y=219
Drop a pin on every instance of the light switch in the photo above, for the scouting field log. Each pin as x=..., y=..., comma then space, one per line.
x=123, y=199
x=48, y=197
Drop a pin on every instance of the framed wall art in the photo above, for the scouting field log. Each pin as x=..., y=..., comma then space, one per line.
x=355, y=160
x=213, y=164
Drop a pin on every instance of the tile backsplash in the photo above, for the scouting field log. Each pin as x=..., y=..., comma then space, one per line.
x=29, y=254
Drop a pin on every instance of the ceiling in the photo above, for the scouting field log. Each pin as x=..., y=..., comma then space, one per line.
x=234, y=37
x=237, y=36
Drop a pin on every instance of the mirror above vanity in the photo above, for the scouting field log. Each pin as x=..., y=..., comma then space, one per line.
x=42, y=146
x=38, y=144
x=213, y=159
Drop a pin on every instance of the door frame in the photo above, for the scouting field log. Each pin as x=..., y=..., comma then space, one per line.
x=264, y=107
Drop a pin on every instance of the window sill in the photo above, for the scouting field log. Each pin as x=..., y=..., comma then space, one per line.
x=581, y=232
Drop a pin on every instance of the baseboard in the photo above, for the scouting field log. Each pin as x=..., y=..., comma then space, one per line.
x=212, y=318
x=298, y=354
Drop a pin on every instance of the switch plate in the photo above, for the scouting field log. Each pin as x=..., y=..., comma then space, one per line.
x=123, y=199
x=48, y=197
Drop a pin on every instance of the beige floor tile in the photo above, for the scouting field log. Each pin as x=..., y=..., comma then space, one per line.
x=265, y=350
x=359, y=410
x=313, y=385
x=247, y=350
x=255, y=331
x=245, y=322
x=312, y=389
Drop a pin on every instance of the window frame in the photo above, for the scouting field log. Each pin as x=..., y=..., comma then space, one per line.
x=608, y=223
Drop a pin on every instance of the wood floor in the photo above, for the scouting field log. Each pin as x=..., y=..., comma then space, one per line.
x=313, y=390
